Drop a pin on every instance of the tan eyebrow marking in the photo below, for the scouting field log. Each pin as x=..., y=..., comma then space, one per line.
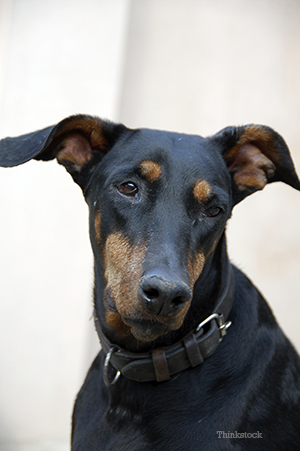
x=202, y=190
x=151, y=170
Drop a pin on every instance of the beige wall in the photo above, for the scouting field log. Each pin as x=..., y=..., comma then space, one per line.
x=192, y=66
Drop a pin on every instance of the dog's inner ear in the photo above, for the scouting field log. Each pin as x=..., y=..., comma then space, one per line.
x=80, y=154
x=249, y=168
x=79, y=143
x=76, y=152
x=255, y=155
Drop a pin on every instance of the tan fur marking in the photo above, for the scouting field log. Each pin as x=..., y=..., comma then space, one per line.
x=89, y=127
x=97, y=224
x=201, y=191
x=114, y=321
x=214, y=245
x=255, y=134
x=123, y=269
x=150, y=170
x=195, y=267
x=178, y=320
x=123, y=265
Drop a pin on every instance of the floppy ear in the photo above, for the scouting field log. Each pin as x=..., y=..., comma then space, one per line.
x=255, y=155
x=78, y=143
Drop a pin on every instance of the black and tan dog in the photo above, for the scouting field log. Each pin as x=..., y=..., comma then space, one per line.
x=167, y=377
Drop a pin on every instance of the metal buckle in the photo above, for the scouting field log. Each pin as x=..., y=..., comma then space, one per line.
x=105, y=370
x=222, y=326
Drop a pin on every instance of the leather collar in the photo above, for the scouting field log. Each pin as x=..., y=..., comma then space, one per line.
x=162, y=363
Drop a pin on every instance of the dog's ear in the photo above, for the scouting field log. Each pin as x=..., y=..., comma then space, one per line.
x=255, y=155
x=78, y=143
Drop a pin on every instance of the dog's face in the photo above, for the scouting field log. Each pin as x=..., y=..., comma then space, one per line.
x=158, y=204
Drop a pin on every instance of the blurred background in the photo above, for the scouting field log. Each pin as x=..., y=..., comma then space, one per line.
x=191, y=66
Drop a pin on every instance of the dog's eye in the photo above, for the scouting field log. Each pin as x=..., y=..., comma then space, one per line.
x=128, y=189
x=213, y=211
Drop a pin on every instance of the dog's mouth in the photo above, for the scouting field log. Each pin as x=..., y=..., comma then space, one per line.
x=146, y=329
x=143, y=326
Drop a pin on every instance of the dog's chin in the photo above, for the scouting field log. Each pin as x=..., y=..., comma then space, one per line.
x=147, y=335
x=145, y=330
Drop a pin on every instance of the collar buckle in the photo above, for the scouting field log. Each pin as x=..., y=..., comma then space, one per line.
x=222, y=325
x=105, y=369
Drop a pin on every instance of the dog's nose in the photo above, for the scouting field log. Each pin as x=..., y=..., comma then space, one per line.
x=163, y=296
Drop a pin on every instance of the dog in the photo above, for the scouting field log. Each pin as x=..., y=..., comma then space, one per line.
x=192, y=357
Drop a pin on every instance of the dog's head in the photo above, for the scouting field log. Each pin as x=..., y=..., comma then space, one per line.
x=158, y=203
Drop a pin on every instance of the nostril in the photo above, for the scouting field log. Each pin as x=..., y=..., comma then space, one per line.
x=152, y=293
x=163, y=296
x=177, y=302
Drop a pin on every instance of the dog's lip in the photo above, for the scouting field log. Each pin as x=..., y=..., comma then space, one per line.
x=146, y=329
x=110, y=302
x=147, y=322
